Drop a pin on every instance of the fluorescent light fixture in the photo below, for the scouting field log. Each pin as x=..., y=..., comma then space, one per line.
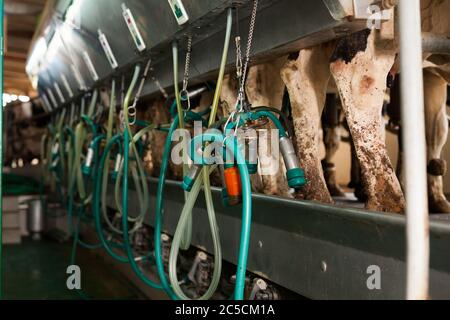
x=8, y=98
x=24, y=99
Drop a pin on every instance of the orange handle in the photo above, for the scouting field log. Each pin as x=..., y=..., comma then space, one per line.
x=233, y=182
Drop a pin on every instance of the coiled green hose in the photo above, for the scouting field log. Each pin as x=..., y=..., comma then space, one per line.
x=187, y=234
x=96, y=199
x=246, y=215
x=105, y=166
x=186, y=215
x=126, y=141
x=80, y=137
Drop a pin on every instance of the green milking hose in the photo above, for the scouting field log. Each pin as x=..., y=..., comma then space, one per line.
x=70, y=143
x=126, y=145
x=187, y=234
x=75, y=178
x=96, y=198
x=246, y=220
x=187, y=211
x=223, y=64
x=57, y=137
x=159, y=212
x=80, y=136
x=144, y=205
x=109, y=132
x=101, y=181
x=98, y=191
x=137, y=170
x=283, y=118
x=189, y=205
x=81, y=210
x=142, y=196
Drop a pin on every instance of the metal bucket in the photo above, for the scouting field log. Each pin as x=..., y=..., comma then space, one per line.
x=36, y=221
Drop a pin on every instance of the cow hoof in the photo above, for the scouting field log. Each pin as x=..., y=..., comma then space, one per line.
x=335, y=190
x=329, y=170
x=360, y=194
x=439, y=206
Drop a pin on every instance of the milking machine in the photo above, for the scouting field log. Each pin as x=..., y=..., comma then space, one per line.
x=235, y=174
x=82, y=157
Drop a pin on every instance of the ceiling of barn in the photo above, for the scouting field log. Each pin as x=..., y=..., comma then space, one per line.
x=21, y=20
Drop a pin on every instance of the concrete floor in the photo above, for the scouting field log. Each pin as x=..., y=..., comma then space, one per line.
x=37, y=271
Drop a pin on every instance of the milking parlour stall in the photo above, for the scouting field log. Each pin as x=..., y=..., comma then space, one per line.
x=250, y=153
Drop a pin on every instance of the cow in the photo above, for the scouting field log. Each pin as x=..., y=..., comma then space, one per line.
x=436, y=75
x=306, y=75
x=358, y=66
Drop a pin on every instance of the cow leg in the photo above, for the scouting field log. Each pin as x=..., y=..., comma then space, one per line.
x=306, y=78
x=355, y=170
x=435, y=89
x=356, y=182
x=265, y=88
x=331, y=139
x=360, y=71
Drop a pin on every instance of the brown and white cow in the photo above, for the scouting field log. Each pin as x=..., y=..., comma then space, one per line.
x=359, y=65
x=436, y=79
x=306, y=76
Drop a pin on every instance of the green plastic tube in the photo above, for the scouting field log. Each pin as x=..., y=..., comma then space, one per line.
x=205, y=176
x=96, y=199
x=246, y=213
x=126, y=142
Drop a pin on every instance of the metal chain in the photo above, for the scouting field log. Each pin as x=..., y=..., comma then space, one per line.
x=238, y=58
x=187, y=65
x=241, y=71
x=248, y=50
x=184, y=94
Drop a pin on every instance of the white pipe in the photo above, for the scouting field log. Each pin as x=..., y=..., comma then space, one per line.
x=413, y=122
